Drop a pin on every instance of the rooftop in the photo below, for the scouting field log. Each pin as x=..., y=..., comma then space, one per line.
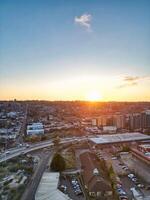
x=125, y=137
x=47, y=189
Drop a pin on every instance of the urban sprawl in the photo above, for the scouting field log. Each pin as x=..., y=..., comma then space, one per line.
x=70, y=150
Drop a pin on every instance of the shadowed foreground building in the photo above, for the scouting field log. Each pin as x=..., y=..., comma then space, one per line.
x=96, y=185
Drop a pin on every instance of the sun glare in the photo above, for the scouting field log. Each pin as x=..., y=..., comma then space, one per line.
x=94, y=96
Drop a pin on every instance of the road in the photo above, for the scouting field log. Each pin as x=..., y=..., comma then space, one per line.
x=34, y=182
x=11, y=153
x=49, y=143
x=19, y=139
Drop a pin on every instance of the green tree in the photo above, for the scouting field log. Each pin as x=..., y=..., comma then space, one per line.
x=58, y=163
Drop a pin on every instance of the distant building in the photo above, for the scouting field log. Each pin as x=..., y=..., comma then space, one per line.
x=35, y=126
x=12, y=114
x=109, y=129
x=35, y=129
x=102, y=121
x=135, y=121
x=86, y=122
x=145, y=119
x=105, y=120
x=119, y=121
x=94, y=122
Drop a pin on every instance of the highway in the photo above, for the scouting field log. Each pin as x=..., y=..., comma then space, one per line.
x=11, y=153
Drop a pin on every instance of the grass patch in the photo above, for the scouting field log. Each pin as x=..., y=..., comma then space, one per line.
x=69, y=158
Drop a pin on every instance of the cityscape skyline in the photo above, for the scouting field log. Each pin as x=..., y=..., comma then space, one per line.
x=59, y=50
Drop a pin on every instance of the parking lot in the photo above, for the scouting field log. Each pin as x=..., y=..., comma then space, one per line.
x=133, y=181
x=73, y=187
x=137, y=166
x=128, y=180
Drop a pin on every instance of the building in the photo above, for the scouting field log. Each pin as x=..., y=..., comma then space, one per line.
x=135, y=121
x=119, y=121
x=35, y=129
x=94, y=122
x=102, y=121
x=145, y=119
x=118, y=138
x=12, y=114
x=144, y=148
x=86, y=122
x=95, y=184
x=35, y=126
x=48, y=188
x=109, y=129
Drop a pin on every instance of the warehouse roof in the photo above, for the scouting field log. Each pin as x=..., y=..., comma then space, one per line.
x=47, y=189
x=124, y=137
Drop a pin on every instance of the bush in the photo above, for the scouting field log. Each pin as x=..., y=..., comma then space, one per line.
x=14, y=168
x=29, y=169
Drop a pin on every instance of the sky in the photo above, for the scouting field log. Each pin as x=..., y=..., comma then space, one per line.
x=71, y=50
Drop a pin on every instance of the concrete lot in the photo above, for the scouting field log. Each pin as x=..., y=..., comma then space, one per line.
x=137, y=166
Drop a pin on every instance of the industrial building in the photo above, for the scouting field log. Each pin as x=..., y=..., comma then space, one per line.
x=119, y=138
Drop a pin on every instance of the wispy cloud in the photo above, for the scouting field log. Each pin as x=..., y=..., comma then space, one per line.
x=129, y=81
x=132, y=78
x=84, y=21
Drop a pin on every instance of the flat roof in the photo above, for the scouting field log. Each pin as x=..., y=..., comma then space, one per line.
x=145, y=145
x=116, y=138
x=47, y=189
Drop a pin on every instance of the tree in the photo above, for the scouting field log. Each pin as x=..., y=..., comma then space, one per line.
x=43, y=137
x=56, y=141
x=58, y=163
x=125, y=148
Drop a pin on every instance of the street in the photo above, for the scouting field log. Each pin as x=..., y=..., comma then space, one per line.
x=34, y=182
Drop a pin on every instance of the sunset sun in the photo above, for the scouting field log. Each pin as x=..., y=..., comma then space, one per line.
x=94, y=96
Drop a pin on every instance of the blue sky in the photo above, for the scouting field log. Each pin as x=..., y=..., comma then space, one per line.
x=40, y=41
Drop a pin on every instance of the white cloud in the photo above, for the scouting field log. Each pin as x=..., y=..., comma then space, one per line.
x=132, y=80
x=84, y=20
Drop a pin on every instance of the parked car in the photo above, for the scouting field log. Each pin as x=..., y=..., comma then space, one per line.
x=123, y=198
x=76, y=187
x=140, y=185
x=63, y=187
x=131, y=176
x=27, y=145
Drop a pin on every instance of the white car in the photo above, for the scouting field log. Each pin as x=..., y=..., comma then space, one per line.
x=27, y=145
x=147, y=154
x=140, y=185
x=114, y=158
x=7, y=152
x=131, y=176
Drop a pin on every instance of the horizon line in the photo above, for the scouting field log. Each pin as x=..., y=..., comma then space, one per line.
x=113, y=101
